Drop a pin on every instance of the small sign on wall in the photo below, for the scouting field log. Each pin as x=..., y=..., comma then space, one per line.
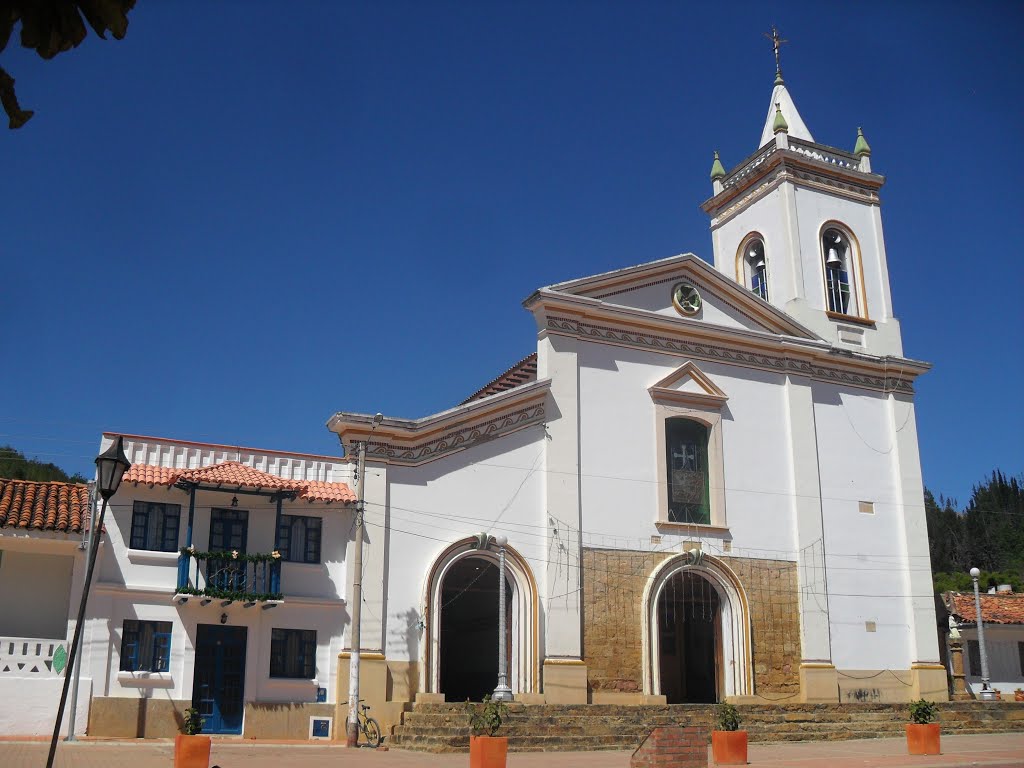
x=320, y=727
x=321, y=695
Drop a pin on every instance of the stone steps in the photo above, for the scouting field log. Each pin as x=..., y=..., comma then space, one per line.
x=445, y=727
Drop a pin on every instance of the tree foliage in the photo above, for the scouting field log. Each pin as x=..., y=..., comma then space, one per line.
x=16, y=466
x=988, y=533
x=51, y=27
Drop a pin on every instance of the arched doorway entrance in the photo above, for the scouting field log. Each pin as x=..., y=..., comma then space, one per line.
x=689, y=619
x=460, y=659
x=696, y=632
x=468, y=648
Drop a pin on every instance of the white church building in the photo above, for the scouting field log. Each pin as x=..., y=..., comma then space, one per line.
x=707, y=474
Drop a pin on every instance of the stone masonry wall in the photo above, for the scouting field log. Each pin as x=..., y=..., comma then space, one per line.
x=613, y=602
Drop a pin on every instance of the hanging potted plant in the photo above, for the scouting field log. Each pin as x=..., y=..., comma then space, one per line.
x=190, y=749
x=923, y=733
x=728, y=742
x=486, y=748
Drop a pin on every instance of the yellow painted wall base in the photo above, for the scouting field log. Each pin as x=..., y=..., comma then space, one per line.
x=819, y=684
x=374, y=677
x=136, y=718
x=930, y=682
x=265, y=720
x=565, y=683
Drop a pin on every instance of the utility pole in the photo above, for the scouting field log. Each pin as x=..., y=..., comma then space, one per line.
x=87, y=534
x=352, y=726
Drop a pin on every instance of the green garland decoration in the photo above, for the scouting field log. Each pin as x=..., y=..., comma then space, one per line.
x=229, y=594
x=242, y=557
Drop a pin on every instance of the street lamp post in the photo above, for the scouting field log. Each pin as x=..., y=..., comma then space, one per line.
x=110, y=468
x=986, y=693
x=501, y=692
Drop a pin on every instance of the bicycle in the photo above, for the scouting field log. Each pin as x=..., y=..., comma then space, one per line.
x=369, y=727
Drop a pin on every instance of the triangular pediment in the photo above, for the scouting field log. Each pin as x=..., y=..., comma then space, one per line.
x=650, y=288
x=688, y=385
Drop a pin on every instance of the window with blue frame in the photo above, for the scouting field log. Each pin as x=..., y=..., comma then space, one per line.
x=145, y=646
x=293, y=653
x=155, y=526
x=298, y=538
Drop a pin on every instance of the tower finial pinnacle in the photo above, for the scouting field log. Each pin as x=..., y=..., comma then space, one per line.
x=776, y=42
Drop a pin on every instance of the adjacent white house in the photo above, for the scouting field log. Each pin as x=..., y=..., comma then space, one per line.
x=42, y=569
x=221, y=585
x=1003, y=615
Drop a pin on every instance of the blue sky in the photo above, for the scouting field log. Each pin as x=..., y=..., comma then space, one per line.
x=234, y=222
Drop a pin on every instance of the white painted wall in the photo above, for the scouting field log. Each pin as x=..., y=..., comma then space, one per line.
x=30, y=707
x=619, y=453
x=865, y=553
x=36, y=592
x=495, y=487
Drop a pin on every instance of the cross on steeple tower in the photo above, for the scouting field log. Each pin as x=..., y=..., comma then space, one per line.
x=776, y=43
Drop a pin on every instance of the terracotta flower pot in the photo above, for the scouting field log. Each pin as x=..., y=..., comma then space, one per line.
x=729, y=747
x=923, y=739
x=488, y=751
x=1018, y=695
x=191, y=751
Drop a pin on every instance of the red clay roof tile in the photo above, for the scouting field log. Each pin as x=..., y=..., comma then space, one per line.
x=232, y=473
x=521, y=373
x=51, y=506
x=1000, y=608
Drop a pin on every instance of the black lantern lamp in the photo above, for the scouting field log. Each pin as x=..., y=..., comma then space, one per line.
x=110, y=468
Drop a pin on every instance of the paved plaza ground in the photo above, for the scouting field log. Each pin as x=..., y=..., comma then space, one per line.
x=985, y=751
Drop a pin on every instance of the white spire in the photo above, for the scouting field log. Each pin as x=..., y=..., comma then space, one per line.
x=797, y=129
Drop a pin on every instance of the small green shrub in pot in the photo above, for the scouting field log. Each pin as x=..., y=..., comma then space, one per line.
x=193, y=723
x=487, y=720
x=923, y=712
x=727, y=717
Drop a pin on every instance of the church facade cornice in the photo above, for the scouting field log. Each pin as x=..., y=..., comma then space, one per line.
x=411, y=442
x=789, y=355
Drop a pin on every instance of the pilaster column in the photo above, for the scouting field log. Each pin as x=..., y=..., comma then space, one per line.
x=818, y=678
x=565, y=674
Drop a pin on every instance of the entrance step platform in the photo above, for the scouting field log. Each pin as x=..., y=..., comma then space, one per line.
x=586, y=727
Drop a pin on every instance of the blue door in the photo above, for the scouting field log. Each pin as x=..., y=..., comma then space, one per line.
x=229, y=531
x=219, y=682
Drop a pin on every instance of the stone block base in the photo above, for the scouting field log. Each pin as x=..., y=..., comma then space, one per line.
x=565, y=682
x=673, y=746
x=819, y=684
x=929, y=682
x=266, y=720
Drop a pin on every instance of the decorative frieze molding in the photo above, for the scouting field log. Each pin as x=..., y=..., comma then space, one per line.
x=458, y=439
x=730, y=355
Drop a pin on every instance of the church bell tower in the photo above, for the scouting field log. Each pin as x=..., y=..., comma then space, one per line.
x=799, y=224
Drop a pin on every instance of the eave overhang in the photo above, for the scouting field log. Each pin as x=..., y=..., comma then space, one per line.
x=411, y=442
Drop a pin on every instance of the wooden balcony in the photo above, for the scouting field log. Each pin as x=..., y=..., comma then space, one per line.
x=228, y=577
